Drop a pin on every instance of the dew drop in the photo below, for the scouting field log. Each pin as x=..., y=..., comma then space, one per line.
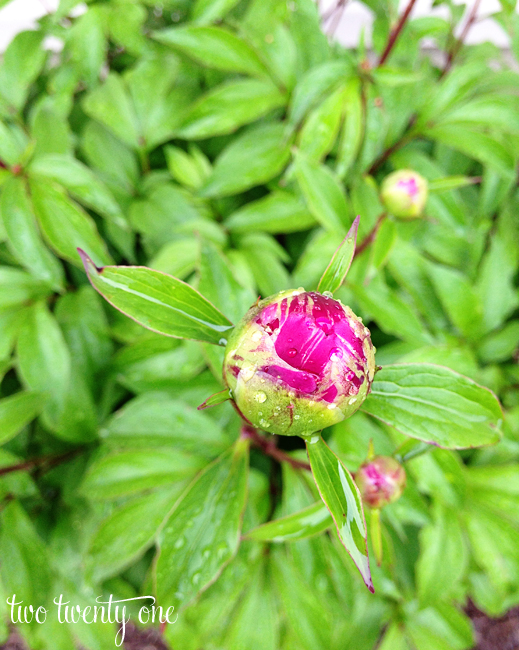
x=196, y=577
x=222, y=342
x=292, y=352
x=350, y=240
x=296, y=417
x=247, y=372
x=352, y=400
x=256, y=336
x=180, y=542
x=332, y=406
x=260, y=397
x=264, y=423
x=328, y=294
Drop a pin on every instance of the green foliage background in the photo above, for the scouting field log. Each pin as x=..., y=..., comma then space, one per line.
x=230, y=143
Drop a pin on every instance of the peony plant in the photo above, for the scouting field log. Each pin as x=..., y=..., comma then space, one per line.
x=301, y=361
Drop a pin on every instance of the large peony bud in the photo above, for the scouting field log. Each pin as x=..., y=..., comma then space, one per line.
x=404, y=194
x=298, y=362
x=380, y=481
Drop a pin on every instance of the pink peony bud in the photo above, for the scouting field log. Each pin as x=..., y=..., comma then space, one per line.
x=298, y=362
x=404, y=194
x=380, y=481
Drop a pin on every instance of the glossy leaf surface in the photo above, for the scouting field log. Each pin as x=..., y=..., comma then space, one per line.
x=436, y=405
x=158, y=301
x=342, y=498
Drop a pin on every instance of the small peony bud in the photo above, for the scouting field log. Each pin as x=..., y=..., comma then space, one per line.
x=298, y=362
x=404, y=194
x=380, y=481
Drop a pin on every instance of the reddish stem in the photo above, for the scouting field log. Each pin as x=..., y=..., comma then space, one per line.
x=269, y=448
x=370, y=237
x=50, y=462
x=457, y=45
x=395, y=33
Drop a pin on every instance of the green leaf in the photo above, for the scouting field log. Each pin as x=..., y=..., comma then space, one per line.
x=16, y=411
x=313, y=85
x=22, y=63
x=87, y=44
x=129, y=531
x=23, y=236
x=44, y=361
x=436, y=405
x=214, y=47
x=25, y=566
x=323, y=194
x=449, y=183
x=500, y=346
x=17, y=288
x=320, y=130
x=301, y=525
x=353, y=131
x=459, y=299
x=130, y=471
x=218, y=284
x=14, y=144
x=253, y=158
x=278, y=212
x=339, y=265
x=443, y=556
x=157, y=420
x=111, y=105
x=207, y=11
x=227, y=107
x=81, y=182
x=216, y=399
x=158, y=301
x=342, y=498
x=65, y=225
x=203, y=532
x=484, y=148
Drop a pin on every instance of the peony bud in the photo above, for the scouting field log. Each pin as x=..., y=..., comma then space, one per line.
x=380, y=481
x=298, y=362
x=404, y=194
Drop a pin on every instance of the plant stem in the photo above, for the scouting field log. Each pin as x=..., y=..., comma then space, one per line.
x=390, y=150
x=269, y=448
x=50, y=462
x=459, y=42
x=395, y=33
x=370, y=237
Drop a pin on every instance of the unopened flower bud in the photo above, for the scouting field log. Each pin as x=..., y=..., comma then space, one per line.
x=380, y=481
x=298, y=362
x=404, y=194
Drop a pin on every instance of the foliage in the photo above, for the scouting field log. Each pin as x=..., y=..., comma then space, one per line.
x=230, y=144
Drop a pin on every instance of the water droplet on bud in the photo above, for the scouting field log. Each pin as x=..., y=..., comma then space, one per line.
x=256, y=336
x=352, y=400
x=264, y=423
x=296, y=417
x=332, y=406
x=247, y=372
x=328, y=294
x=222, y=342
x=292, y=352
x=260, y=397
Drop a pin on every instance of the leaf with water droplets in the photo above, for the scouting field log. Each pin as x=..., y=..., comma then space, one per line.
x=300, y=525
x=340, y=263
x=203, y=532
x=158, y=302
x=342, y=498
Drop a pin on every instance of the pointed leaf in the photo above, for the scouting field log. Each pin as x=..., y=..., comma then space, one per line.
x=340, y=263
x=23, y=237
x=215, y=400
x=300, y=525
x=214, y=47
x=203, y=533
x=158, y=301
x=342, y=498
x=436, y=405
